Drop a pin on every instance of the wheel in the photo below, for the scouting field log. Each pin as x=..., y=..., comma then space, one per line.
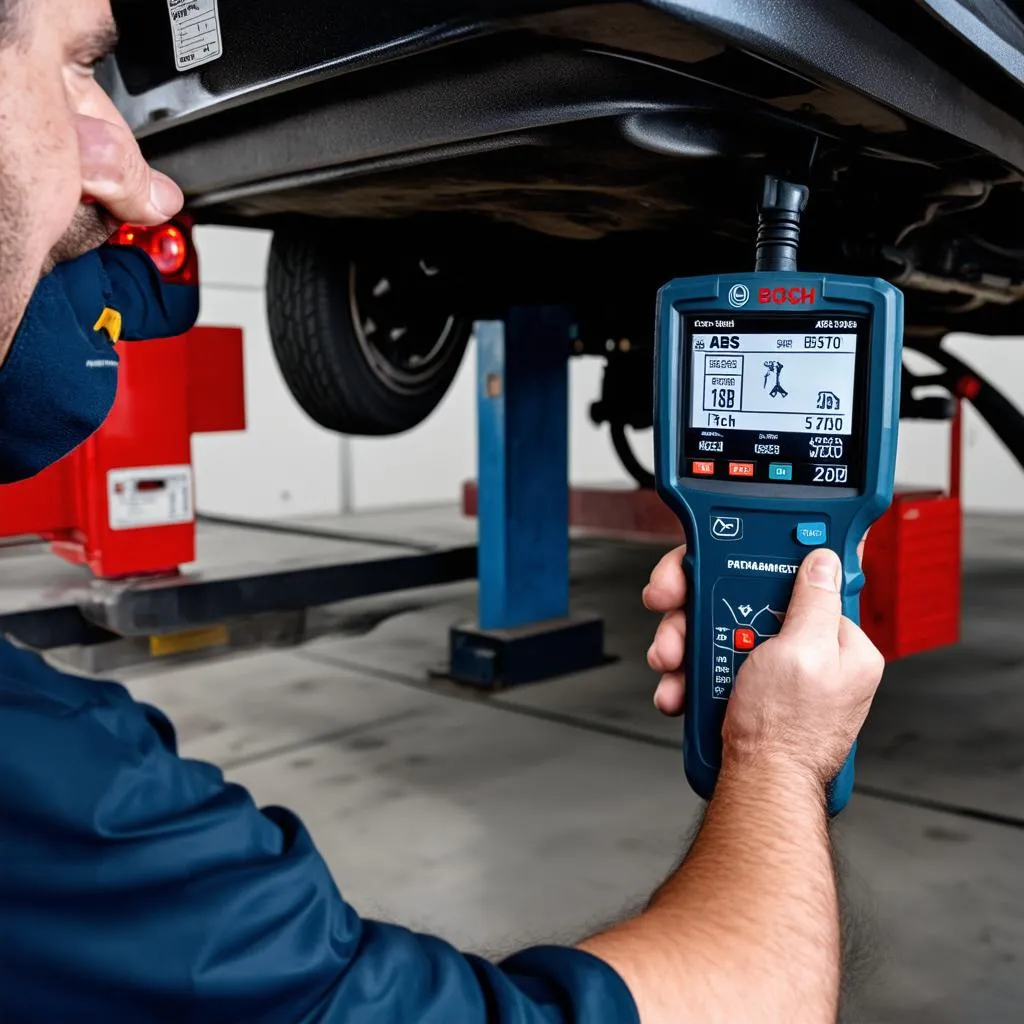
x=367, y=344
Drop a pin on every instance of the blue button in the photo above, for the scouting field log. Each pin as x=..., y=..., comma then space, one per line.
x=780, y=471
x=811, y=534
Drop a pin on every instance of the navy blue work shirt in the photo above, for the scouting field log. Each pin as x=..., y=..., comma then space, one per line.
x=137, y=886
x=125, y=279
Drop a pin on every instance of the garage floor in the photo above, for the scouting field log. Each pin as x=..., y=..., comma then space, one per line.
x=546, y=812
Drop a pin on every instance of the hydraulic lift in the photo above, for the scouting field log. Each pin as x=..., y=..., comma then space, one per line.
x=120, y=515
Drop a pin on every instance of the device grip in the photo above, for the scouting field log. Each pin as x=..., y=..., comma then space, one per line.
x=700, y=774
x=841, y=788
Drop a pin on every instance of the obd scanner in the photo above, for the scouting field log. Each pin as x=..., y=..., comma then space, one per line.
x=775, y=423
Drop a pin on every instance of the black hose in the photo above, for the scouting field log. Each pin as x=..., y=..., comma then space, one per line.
x=629, y=461
x=995, y=409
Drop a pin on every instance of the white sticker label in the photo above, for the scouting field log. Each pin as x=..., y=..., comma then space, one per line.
x=149, y=496
x=195, y=29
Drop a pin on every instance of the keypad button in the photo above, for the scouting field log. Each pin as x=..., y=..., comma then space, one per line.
x=811, y=534
x=743, y=639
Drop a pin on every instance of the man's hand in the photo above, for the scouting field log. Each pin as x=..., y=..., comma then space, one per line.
x=666, y=593
x=748, y=928
x=802, y=696
x=116, y=175
x=118, y=186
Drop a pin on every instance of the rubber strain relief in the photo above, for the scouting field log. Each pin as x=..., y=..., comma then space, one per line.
x=778, y=224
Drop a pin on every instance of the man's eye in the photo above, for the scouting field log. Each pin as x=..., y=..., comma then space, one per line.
x=87, y=66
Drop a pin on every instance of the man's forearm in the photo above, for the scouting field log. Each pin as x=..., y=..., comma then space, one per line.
x=748, y=928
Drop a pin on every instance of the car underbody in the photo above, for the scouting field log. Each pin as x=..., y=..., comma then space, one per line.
x=587, y=153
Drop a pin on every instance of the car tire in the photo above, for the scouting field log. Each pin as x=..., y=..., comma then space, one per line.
x=368, y=345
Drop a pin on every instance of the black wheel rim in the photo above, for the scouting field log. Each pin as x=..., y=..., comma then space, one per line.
x=401, y=320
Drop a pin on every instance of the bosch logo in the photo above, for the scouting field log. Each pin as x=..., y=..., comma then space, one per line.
x=783, y=296
x=738, y=295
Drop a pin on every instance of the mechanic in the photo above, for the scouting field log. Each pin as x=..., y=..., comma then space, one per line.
x=138, y=886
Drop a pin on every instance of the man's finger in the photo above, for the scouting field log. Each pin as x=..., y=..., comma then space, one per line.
x=669, y=697
x=667, y=588
x=860, y=547
x=666, y=652
x=115, y=173
x=855, y=643
x=815, y=608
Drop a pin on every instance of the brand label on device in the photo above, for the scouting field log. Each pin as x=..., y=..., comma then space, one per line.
x=753, y=565
x=195, y=32
x=149, y=496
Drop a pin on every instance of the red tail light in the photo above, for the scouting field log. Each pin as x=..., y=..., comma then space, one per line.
x=169, y=246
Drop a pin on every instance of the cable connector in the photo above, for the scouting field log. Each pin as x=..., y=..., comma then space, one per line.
x=778, y=224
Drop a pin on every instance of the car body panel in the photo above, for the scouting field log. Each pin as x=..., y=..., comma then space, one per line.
x=270, y=48
x=547, y=120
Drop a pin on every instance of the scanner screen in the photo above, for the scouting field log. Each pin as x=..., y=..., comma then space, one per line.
x=775, y=399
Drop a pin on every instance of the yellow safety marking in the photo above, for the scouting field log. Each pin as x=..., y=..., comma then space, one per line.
x=191, y=640
x=109, y=321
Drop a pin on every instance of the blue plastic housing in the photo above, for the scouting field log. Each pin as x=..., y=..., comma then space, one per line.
x=767, y=513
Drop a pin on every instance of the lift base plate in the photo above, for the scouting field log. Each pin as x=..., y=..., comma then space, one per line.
x=496, y=658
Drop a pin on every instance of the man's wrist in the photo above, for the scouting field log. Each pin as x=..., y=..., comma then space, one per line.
x=763, y=769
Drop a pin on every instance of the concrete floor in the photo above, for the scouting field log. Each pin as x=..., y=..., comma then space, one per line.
x=543, y=813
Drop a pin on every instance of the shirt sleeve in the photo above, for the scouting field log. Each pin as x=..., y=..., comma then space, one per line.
x=149, y=307
x=125, y=279
x=137, y=885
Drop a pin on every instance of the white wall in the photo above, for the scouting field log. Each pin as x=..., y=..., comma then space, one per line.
x=592, y=460
x=425, y=465
x=285, y=465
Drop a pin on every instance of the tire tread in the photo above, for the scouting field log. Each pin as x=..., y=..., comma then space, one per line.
x=317, y=350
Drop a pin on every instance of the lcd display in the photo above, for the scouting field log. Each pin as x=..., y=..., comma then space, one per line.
x=775, y=399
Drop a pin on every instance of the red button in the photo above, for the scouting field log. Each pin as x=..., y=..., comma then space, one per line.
x=744, y=639
x=741, y=469
x=703, y=469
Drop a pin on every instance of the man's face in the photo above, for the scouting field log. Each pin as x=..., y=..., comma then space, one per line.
x=46, y=78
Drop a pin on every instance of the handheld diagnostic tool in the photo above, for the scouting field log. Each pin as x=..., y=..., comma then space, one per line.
x=776, y=416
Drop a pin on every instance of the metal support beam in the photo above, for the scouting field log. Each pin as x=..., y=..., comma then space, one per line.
x=523, y=467
x=524, y=631
x=69, y=609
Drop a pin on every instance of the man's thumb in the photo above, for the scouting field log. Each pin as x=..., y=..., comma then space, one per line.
x=815, y=608
x=115, y=173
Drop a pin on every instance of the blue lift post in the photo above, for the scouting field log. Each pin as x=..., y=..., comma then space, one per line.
x=524, y=631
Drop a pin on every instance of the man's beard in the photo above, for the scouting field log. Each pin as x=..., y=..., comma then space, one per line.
x=90, y=227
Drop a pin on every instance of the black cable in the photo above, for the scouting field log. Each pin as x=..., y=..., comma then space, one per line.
x=813, y=155
x=629, y=461
x=995, y=409
x=999, y=250
x=778, y=224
